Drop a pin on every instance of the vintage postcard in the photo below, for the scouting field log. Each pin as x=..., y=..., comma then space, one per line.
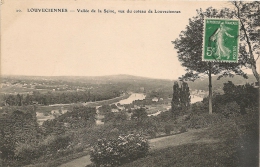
x=129, y=83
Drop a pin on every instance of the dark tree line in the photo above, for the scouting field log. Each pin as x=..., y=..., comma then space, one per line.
x=59, y=98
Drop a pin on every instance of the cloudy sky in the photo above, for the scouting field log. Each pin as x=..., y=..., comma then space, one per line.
x=94, y=44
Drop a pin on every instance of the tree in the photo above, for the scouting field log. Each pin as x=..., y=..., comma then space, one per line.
x=244, y=95
x=189, y=46
x=27, y=100
x=139, y=114
x=105, y=109
x=115, y=117
x=248, y=15
x=180, y=97
x=175, y=98
x=18, y=126
x=19, y=99
x=184, y=95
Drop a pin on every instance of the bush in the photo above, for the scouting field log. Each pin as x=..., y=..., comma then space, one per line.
x=124, y=149
x=228, y=110
x=26, y=153
x=205, y=120
x=183, y=129
x=50, y=147
x=168, y=129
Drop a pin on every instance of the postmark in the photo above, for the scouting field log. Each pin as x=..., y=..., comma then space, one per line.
x=220, y=40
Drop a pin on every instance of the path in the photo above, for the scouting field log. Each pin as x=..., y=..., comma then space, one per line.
x=79, y=162
x=184, y=138
x=192, y=136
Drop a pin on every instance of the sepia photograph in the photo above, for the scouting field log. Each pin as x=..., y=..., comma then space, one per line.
x=129, y=83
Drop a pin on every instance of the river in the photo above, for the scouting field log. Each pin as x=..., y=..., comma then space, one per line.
x=129, y=100
x=132, y=97
x=195, y=99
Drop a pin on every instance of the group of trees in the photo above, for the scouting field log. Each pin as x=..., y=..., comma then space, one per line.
x=59, y=97
x=135, y=120
x=17, y=125
x=22, y=140
x=180, y=98
x=244, y=95
x=78, y=117
x=190, y=42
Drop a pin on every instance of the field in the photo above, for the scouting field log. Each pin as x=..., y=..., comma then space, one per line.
x=16, y=89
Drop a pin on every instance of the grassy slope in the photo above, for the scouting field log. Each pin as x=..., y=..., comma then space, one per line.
x=54, y=163
x=236, y=144
x=233, y=143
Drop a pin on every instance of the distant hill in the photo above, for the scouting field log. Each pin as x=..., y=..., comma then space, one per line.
x=87, y=79
x=133, y=82
x=122, y=82
x=202, y=84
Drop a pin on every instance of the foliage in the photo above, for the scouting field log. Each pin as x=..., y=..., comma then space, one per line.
x=49, y=147
x=235, y=100
x=248, y=15
x=165, y=116
x=204, y=120
x=103, y=93
x=202, y=84
x=168, y=128
x=200, y=107
x=189, y=46
x=180, y=97
x=139, y=114
x=17, y=126
x=80, y=117
x=175, y=97
x=115, y=117
x=228, y=110
x=233, y=142
x=124, y=149
x=184, y=96
x=244, y=95
x=105, y=109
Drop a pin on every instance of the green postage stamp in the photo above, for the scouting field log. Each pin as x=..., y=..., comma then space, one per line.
x=220, y=40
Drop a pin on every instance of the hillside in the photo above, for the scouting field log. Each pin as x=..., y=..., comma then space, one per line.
x=202, y=84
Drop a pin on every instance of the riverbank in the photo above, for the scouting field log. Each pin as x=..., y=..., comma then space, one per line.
x=106, y=102
x=43, y=113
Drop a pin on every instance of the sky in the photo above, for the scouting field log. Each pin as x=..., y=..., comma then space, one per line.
x=94, y=44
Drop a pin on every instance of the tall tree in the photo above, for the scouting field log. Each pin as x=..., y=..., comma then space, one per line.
x=175, y=98
x=189, y=46
x=184, y=96
x=249, y=17
x=19, y=99
x=180, y=97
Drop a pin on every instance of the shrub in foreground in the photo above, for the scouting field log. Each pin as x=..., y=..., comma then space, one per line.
x=124, y=149
x=50, y=148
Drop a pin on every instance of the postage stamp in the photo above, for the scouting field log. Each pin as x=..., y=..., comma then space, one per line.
x=220, y=40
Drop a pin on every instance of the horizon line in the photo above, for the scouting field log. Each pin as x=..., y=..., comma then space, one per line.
x=24, y=75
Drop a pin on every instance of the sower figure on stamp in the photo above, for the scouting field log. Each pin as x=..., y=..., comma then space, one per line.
x=219, y=38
